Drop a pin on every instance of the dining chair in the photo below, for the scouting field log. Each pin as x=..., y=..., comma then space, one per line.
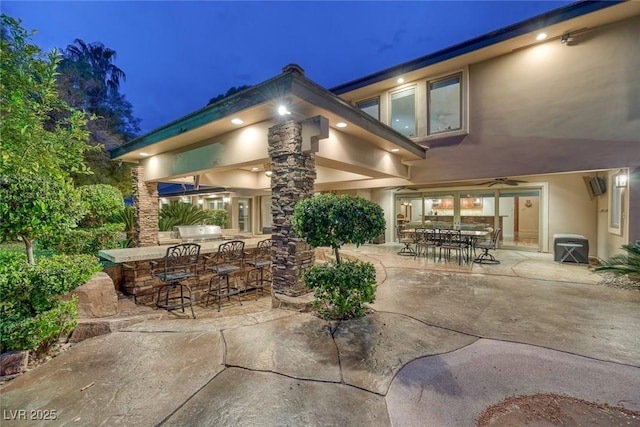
x=226, y=263
x=406, y=240
x=179, y=264
x=452, y=240
x=428, y=239
x=486, y=257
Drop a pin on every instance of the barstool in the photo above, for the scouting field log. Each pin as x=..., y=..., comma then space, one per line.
x=261, y=260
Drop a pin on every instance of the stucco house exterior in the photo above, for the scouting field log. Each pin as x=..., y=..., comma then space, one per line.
x=539, y=136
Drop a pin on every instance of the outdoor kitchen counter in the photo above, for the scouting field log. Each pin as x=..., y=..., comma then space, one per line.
x=155, y=252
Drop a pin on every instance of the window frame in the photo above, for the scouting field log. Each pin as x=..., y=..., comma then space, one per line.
x=616, y=206
x=369, y=100
x=415, y=108
x=463, y=105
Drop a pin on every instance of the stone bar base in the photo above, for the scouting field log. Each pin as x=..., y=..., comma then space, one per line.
x=138, y=282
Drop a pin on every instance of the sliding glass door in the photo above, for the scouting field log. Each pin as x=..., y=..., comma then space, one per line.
x=515, y=211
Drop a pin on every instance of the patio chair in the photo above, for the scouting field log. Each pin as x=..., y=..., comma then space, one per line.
x=451, y=240
x=261, y=260
x=428, y=238
x=406, y=240
x=486, y=257
x=227, y=262
x=180, y=263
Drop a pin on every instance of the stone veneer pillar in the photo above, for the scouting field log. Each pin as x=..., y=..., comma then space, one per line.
x=294, y=173
x=145, y=209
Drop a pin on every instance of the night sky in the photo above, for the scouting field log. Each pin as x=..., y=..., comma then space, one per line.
x=177, y=55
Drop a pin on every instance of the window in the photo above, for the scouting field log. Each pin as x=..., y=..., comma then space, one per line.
x=616, y=208
x=403, y=111
x=371, y=107
x=445, y=104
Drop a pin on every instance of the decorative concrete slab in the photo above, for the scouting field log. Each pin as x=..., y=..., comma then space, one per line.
x=572, y=317
x=208, y=325
x=372, y=349
x=238, y=397
x=133, y=379
x=453, y=389
x=300, y=346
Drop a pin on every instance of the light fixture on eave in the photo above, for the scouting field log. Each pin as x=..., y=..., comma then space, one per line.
x=621, y=179
x=237, y=121
x=267, y=169
x=341, y=125
x=541, y=36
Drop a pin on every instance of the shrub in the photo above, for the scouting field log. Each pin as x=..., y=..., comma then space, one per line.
x=102, y=202
x=176, y=213
x=219, y=217
x=624, y=265
x=340, y=290
x=32, y=316
x=32, y=207
x=127, y=218
x=84, y=240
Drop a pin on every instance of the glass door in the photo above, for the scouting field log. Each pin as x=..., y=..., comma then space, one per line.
x=439, y=210
x=477, y=210
x=244, y=215
x=519, y=218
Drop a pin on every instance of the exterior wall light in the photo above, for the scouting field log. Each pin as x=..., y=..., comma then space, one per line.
x=283, y=111
x=621, y=179
x=267, y=169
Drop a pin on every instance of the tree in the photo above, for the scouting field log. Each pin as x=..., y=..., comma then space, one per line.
x=230, y=92
x=342, y=287
x=32, y=206
x=335, y=220
x=39, y=132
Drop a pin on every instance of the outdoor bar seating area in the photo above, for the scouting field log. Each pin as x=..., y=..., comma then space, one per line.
x=213, y=271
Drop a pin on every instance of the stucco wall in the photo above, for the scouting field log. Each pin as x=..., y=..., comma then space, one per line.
x=549, y=108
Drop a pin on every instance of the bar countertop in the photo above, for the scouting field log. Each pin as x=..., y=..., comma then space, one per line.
x=156, y=252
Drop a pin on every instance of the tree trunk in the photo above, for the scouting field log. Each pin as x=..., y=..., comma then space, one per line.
x=29, y=244
x=337, y=255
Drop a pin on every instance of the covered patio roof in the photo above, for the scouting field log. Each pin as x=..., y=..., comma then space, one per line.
x=225, y=152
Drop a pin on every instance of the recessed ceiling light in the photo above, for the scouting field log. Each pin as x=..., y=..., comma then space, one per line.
x=254, y=169
x=237, y=121
x=541, y=36
x=144, y=154
x=341, y=124
x=400, y=80
x=395, y=150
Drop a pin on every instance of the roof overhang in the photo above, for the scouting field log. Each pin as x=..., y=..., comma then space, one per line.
x=302, y=97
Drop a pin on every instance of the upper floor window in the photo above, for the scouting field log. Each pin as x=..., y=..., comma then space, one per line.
x=371, y=107
x=403, y=111
x=444, y=107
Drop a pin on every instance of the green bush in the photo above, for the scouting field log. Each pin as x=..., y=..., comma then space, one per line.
x=176, y=213
x=126, y=217
x=84, y=240
x=340, y=290
x=102, y=203
x=219, y=217
x=32, y=316
x=624, y=265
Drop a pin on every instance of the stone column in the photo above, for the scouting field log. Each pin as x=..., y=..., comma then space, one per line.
x=294, y=173
x=145, y=209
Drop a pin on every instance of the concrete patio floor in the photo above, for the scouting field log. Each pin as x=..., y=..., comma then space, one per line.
x=443, y=343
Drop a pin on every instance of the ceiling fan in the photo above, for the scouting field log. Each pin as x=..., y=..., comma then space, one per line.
x=506, y=181
x=402, y=187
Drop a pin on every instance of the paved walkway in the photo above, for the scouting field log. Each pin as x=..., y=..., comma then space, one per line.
x=443, y=343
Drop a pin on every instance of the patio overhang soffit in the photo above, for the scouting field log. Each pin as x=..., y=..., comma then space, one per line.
x=258, y=105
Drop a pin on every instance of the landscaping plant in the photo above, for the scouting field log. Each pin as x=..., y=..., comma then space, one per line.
x=176, y=213
x=341, y=287
x=32, y=315
x=624, y=264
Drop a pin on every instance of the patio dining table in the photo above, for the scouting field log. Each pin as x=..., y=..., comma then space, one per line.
x=470, y=236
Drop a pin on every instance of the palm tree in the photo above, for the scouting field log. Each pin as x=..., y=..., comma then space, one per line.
x=94, y=71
